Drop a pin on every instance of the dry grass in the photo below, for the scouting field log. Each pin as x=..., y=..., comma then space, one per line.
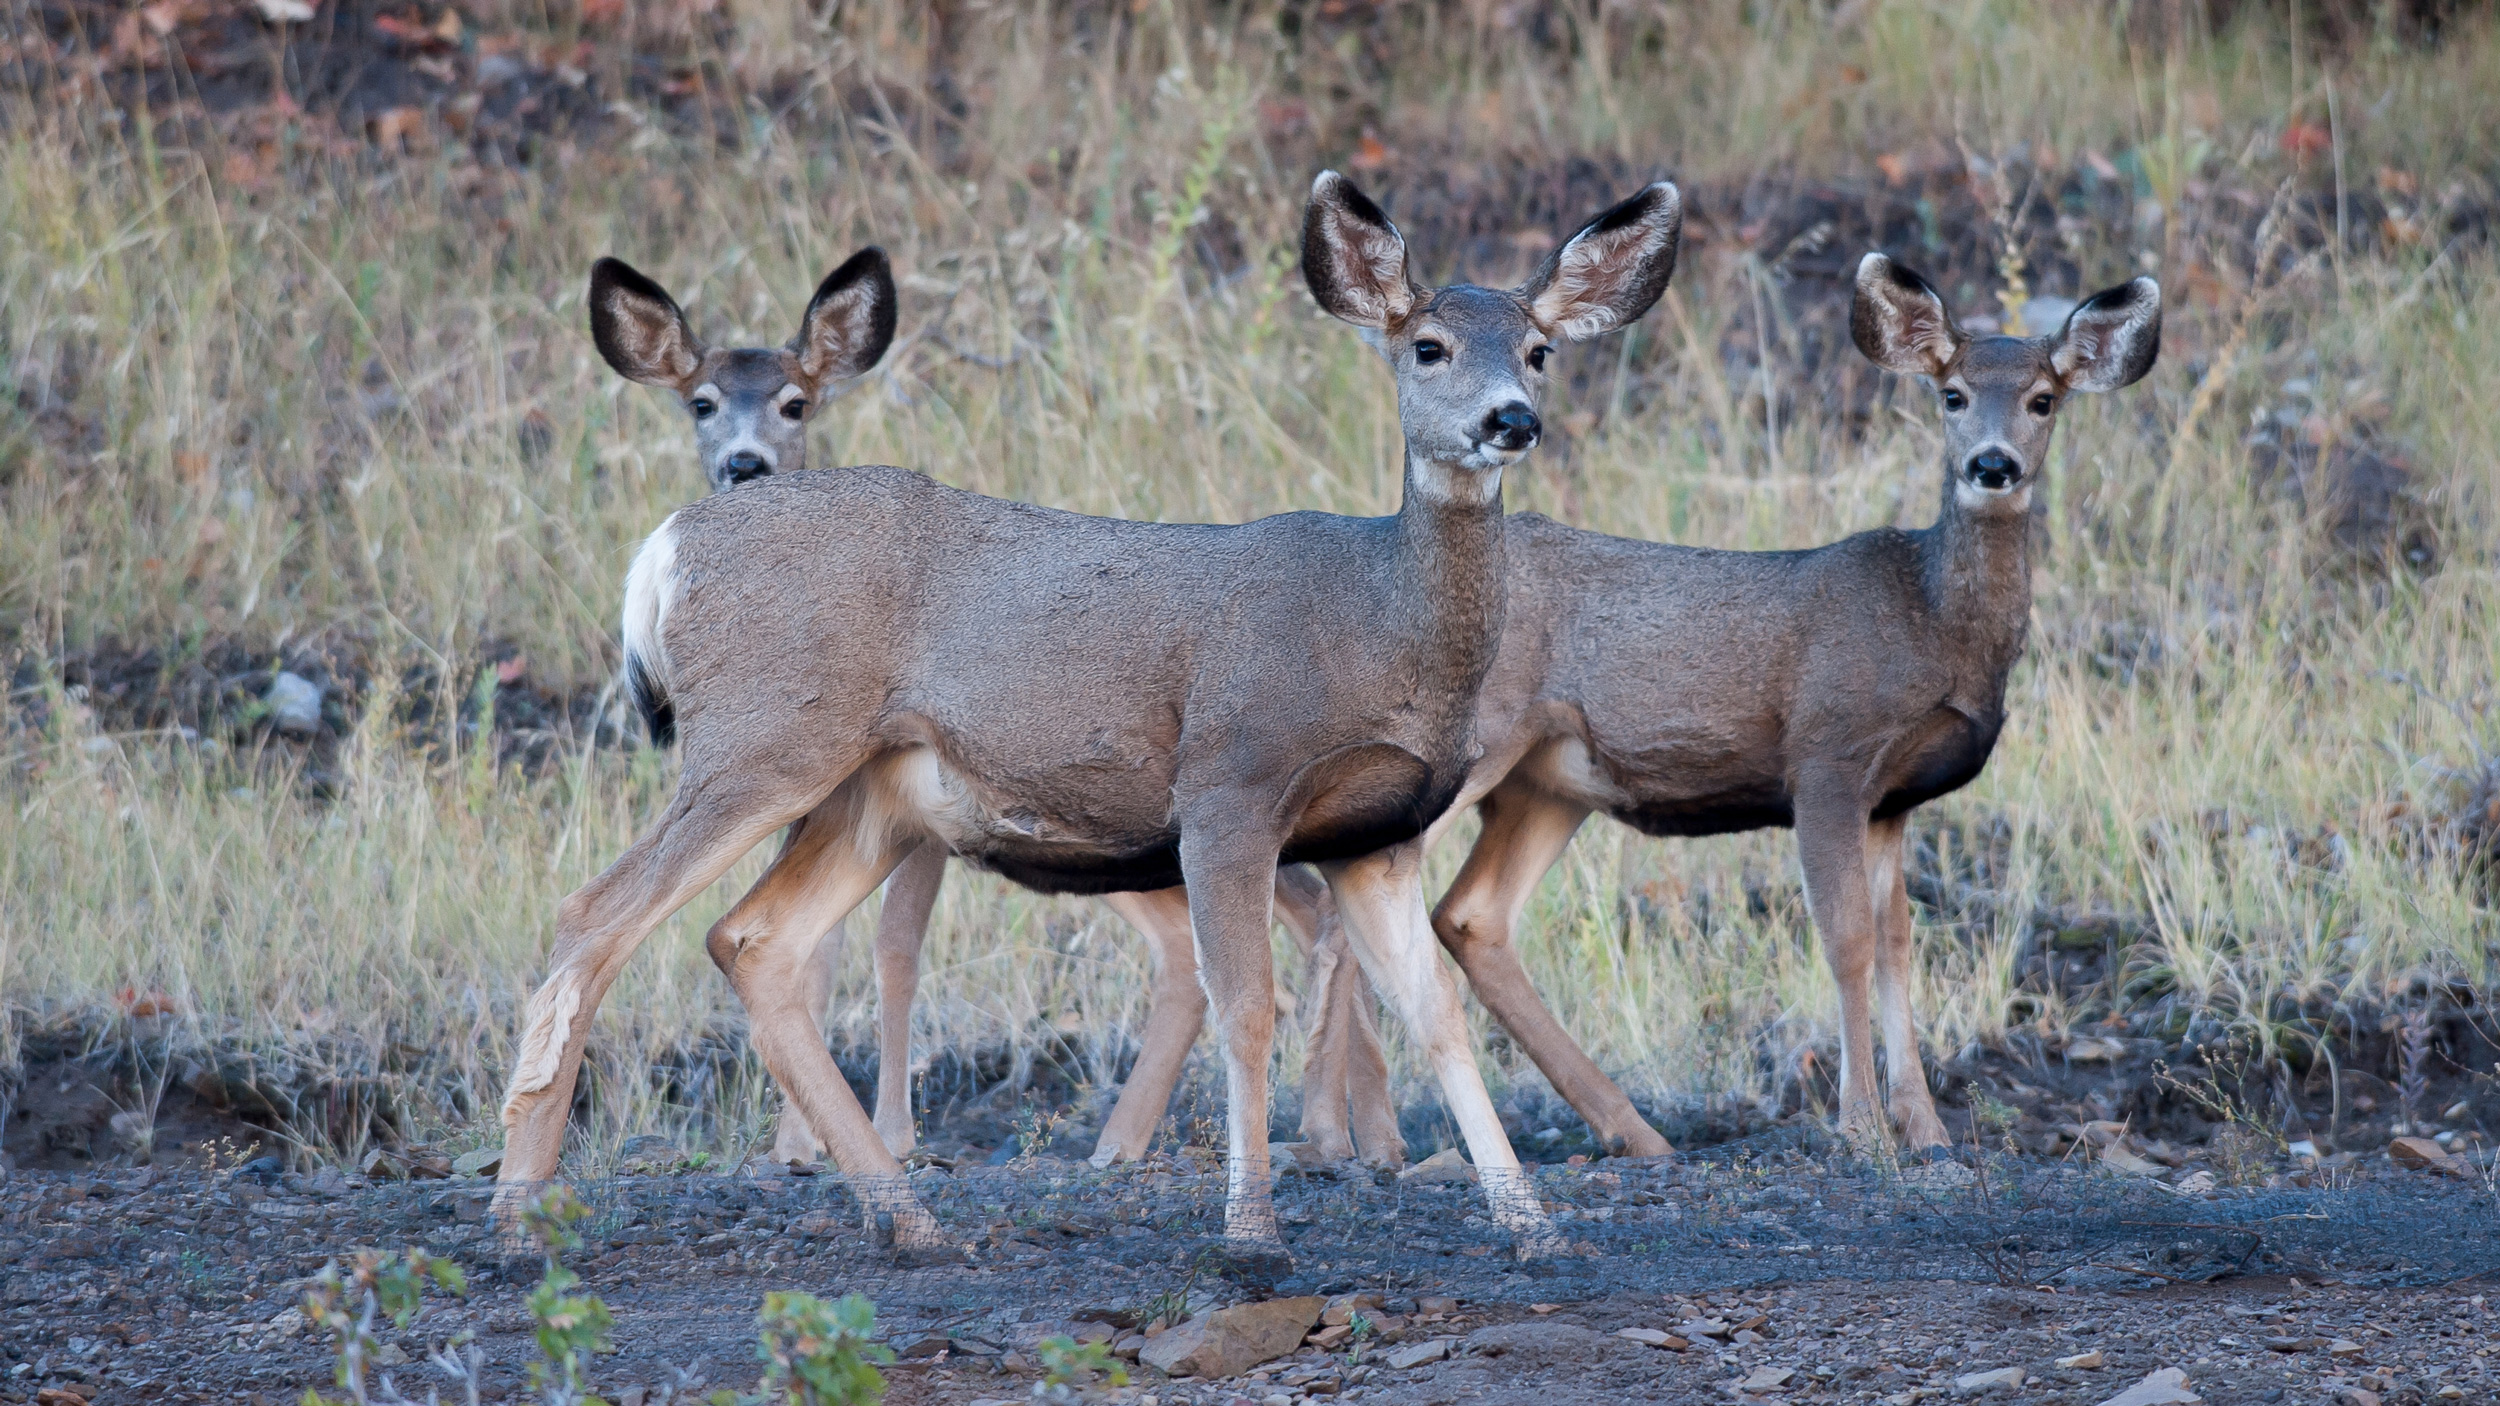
x=284, y=403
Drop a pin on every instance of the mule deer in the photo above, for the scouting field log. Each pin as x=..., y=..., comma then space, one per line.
x=751, y=407
x=854, y=655
x=1694, y=692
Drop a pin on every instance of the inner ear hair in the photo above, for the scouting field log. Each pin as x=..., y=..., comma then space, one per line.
x=850, y=321
x=2111, y=340
x=1899, y=321
x=1612, y=269
x=1353, y=258
x=639, y=328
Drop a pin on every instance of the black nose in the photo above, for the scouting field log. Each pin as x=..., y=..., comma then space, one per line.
x=1514, y=426
x=1995, y=470
x=743, y=466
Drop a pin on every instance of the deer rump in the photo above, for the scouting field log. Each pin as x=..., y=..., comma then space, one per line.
x=1045, y=693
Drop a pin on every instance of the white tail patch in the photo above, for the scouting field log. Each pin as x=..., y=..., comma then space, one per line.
x=650, y=588
x=550, y=1025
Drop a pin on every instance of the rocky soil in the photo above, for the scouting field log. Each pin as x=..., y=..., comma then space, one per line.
x=1758, y=1276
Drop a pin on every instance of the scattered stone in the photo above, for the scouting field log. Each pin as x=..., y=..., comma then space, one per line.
x=1343, y=1307
x=1747, y=1337
x=1705, y=1328
x=2292, y=1344
x=1766, y=1379
x=1446, y=1165
x=2343, y=1347
x=1534, y=1343
x=2423, y=1155
x=2356, y=1396
x=1542, y=1309
x=649, y=1153
x=2091, y=1361
x=480, y=1162
x=1231, y=1341
x=1436, y=1303
x=294, y=705
x=1981, y=1383
x=1327, y=1339
x=1653, y=1337
x=2195, y=1183
x=2117, y=1158
x=2166, y=1387
x=1417, y=1354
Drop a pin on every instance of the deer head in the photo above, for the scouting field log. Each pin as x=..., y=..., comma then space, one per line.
x=2001, y=394
x=1471, y=362
x=750, y=404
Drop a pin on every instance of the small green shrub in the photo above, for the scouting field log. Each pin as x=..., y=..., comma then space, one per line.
x=378, y=1284
x=819, y=1354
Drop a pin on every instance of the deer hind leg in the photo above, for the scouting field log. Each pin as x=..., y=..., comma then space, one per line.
x=821, y=874
x=793, y=1140
x=1832, y=843
x=711, y=821
x=1896, y=957
x=1525, y=831
x=1176, y=1009
x=1343, y=1064
x=902, y=928
x=1380, y=898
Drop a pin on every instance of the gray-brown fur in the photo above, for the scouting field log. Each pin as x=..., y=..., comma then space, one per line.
x=1691, y=692
x=1086, y=704
x=750, y=405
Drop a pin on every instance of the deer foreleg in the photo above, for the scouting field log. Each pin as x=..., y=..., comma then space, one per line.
x=1832, y=844
x=1896, y=957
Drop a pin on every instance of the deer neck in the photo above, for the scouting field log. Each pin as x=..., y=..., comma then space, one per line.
x=1978, y=582
x=1449, y=556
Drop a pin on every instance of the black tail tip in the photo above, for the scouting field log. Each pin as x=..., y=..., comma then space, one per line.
x=658, y=714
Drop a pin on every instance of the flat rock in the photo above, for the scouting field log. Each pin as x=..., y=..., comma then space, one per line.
x=1766, y=1379
x=479, y=1162
x=1982, y=1383
x=1652, y=1337
x=2166, y=1387
x=2421, y=1154
x=1544, y=1343
x=1446, y=1165
x=2092, y=1361
x=1231, y=1341
x=1417, y=1354
x=2117, y=1158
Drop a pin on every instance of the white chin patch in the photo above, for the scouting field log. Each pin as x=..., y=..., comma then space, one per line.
x=1972, y=495
x=1474, y=479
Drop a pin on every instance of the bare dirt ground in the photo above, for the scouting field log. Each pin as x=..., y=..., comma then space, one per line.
x=1789, y=1272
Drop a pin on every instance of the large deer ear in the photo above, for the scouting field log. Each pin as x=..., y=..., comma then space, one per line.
x=1900, y=322
x=2111, y=340
x=850, y=321
x=1353, y=258
x=1612, y=270
x=639, y=328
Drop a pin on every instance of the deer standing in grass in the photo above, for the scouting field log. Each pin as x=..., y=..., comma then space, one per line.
x=1093, y=705
x=751, y=407
x=1686, y=691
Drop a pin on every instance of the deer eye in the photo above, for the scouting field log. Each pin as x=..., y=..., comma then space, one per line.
x=1537, y=355
x=1428, y=352
x=1955, y=400
x=794, y=410
x=701, y=407
x=2043, y=404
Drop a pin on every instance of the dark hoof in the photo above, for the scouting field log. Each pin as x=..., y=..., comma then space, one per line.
x=1252, y=1265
